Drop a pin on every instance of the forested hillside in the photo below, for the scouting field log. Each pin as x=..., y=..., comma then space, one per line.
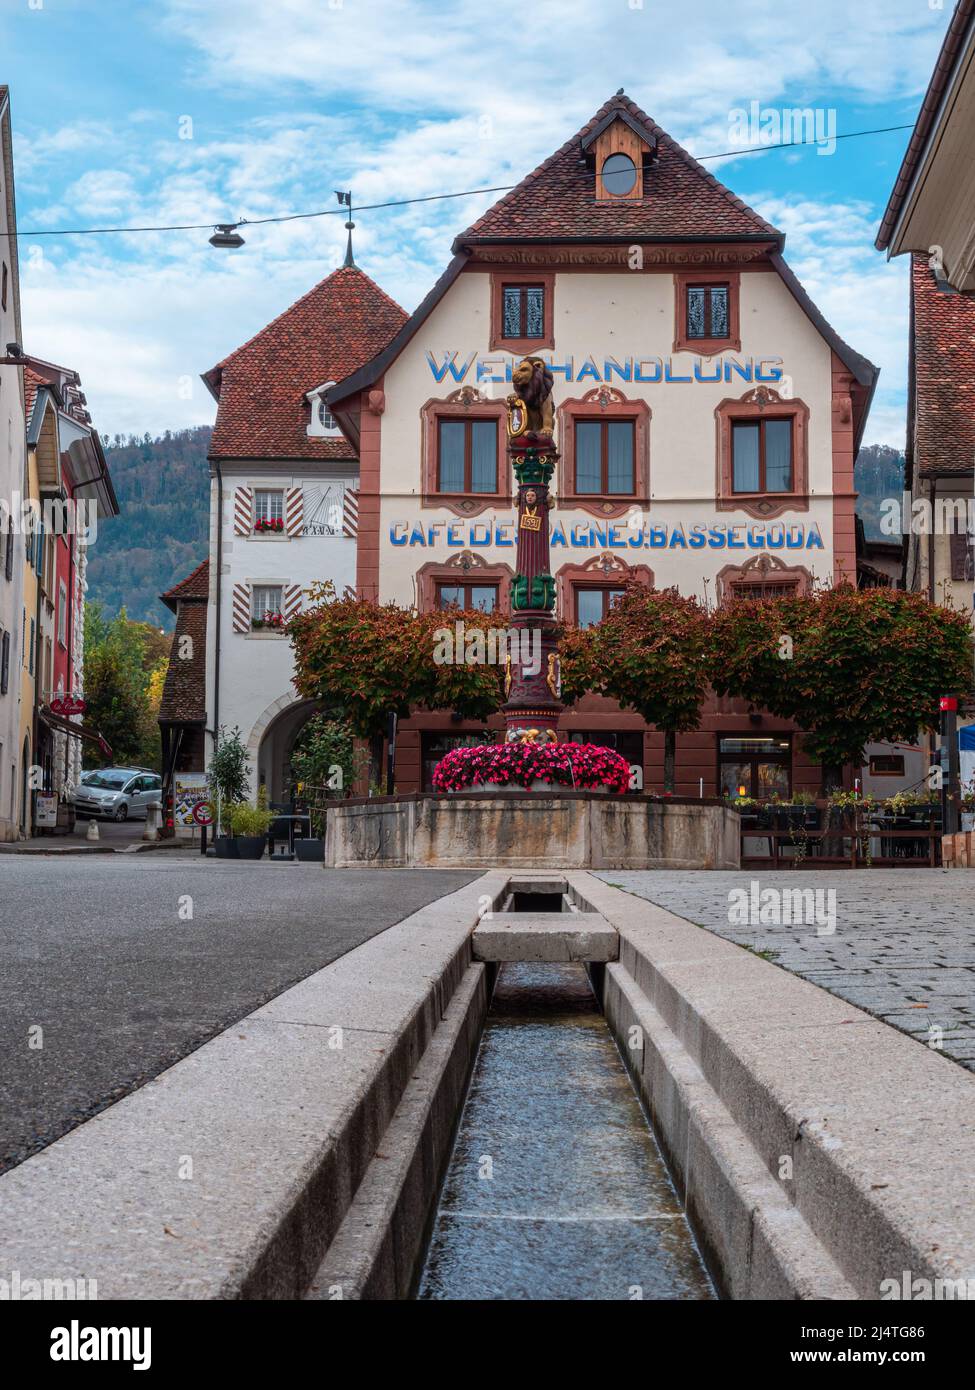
x=161, y=535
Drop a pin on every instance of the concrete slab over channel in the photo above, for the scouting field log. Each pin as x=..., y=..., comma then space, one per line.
x=229, y=1175
x=819, y=1153
x=543, y=918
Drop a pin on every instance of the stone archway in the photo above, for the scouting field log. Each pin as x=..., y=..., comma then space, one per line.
x=272, y=739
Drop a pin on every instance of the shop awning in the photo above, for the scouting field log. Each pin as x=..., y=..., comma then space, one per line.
x=57, y=721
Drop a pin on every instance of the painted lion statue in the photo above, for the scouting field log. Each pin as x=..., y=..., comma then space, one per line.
x=533, y=382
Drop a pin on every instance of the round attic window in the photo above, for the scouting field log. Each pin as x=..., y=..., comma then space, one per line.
x=619, y=175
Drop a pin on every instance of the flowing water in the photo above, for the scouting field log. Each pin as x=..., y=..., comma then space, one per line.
x=556, y=1188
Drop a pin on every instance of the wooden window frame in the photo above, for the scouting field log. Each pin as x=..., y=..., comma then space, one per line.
x=465, y=404
x=707, y=347
x=758, y=404
x=466, y=582
x=466, y=567
x=604, y=423
x=763, y=489
x=605, y=588
x=468, y=422
x=733, y=580
x=607, y=571
x=604, y=403
x=501, y=280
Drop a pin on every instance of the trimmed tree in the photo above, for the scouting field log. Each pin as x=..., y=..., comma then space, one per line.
x=850, y=666
x=367, y=660
x=651, y=653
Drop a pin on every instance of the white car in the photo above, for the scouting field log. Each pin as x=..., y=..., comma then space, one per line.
x=120, y=793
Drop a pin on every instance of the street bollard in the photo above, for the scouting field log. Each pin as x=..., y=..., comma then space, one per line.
x=92, y=832
x=153, y=821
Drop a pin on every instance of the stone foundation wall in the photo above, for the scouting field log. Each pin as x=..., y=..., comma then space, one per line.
x=500, y=830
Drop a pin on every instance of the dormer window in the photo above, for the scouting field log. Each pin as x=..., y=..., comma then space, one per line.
x=322, y=423
x=619, y=175
x=619, y=150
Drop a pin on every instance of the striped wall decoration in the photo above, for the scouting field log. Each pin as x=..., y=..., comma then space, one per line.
x=350, y=513
x=243, y=511
x=294, y=511
x=292, y=601
x=242, y=608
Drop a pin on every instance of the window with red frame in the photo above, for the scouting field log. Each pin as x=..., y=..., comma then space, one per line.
x=761, y=456
x=593, y=602
x=604, y=457
x=708, y=311
x=480, y=597
x=467, y=455
x=523, y=311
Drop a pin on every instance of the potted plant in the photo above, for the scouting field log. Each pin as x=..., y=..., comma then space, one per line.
x=798, y=813
x=249, y=825
x=229, y=778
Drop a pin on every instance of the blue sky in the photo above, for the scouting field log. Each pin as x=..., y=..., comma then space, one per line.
x=286, y=100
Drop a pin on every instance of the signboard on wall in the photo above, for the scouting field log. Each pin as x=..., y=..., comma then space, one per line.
x=190, y=789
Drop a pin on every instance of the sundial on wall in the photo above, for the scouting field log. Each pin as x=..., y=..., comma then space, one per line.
x=323, y=509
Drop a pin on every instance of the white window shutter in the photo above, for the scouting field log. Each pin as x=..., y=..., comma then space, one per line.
x=242, y=608
x=294, y=511
x=243, y=511
x=350, y=513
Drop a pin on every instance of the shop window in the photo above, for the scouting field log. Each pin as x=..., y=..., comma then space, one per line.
x=467, y=456
x=604, y=457
x=475, y=597
x=434, y=746
x=887, y=765
x=756, y=767
x=593, y=602
x=627, y=742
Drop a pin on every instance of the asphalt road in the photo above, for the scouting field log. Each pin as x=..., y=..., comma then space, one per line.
x=100, y=952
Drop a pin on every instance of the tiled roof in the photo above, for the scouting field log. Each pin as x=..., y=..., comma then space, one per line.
x=330, y=332
x=557, y=201
x=944, y=375
x=195, y=587
x=184, y=690
x=32, y=383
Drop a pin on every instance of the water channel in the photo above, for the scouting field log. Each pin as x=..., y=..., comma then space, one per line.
x=556, y=1188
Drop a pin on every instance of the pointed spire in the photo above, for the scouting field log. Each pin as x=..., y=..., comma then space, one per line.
x=345, y=200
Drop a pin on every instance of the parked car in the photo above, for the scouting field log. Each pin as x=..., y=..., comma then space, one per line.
x=120, y=793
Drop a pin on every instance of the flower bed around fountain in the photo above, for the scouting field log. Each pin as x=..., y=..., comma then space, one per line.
x=532, y=767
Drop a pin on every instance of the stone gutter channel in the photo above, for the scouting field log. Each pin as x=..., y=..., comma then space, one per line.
x=301, y=1153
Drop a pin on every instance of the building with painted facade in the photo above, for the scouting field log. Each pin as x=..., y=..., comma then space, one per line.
x=707, y=417
x=283, y=507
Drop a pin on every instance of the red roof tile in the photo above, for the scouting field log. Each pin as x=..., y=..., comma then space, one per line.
x=330, y=332
x=681, y=199
x=944, y=375
x=195, y=586
x=184, y=689
x=32, y=383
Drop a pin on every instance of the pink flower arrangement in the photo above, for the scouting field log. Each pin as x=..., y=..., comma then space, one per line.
x=581, y=766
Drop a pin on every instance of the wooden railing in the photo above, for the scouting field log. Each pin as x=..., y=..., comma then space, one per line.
x=844, y=837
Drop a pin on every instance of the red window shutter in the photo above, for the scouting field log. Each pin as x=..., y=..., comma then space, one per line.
x=294, y=511
x=242, y=608
x=243, y=511
x=350, y=513
x=292, y=601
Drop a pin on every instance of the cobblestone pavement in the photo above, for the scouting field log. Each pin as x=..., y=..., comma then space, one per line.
x=903, y=948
